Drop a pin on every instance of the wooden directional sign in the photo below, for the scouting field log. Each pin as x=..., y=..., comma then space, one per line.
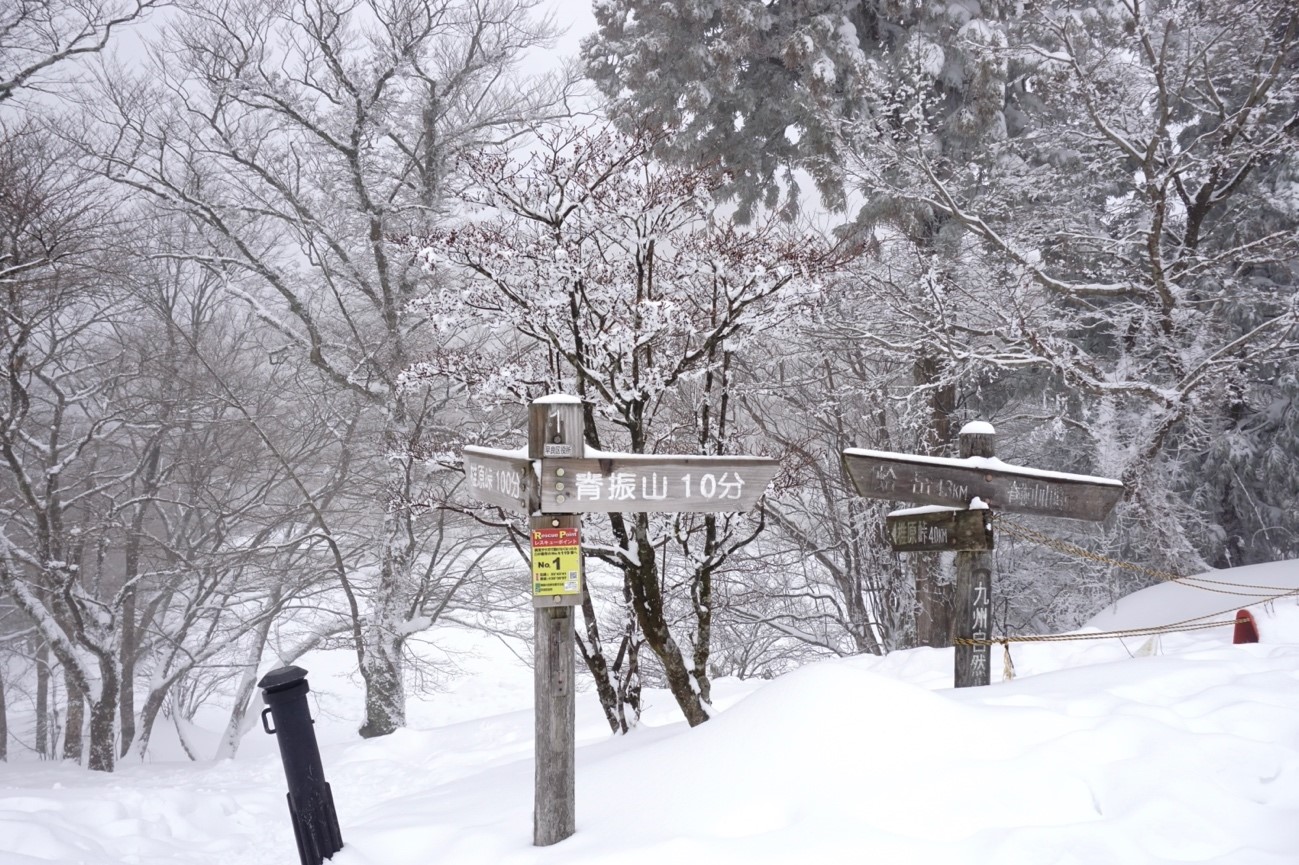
x=501, y=478
x=644, y=482
x=940, y=530
x=1002, y=487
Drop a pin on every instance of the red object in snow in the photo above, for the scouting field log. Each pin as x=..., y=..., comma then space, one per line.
x=1246, y=630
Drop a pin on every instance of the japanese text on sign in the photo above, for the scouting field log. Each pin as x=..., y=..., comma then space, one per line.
x=655, y=486
x=556, y=562
x=981, y=613
x=907, y=533
x=505, y=479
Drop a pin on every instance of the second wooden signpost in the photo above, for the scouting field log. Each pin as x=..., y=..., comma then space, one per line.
x=960, y=496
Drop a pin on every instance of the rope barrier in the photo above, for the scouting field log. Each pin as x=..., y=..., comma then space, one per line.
x=1263, y=594
x=1204, y=583
x=1177, y=627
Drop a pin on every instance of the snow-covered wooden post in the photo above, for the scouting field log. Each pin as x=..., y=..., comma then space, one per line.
x=555, y=429
x=973, y=614
x=960, y=496
x=556, y=480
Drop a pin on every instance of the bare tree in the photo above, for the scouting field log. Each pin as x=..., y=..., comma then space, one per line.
x=297, y=138
x=628, y=292
x=39, y=39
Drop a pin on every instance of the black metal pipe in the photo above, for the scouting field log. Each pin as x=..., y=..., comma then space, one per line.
x=311, y=804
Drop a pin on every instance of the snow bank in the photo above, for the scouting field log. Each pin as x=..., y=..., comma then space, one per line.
x=1099, y=752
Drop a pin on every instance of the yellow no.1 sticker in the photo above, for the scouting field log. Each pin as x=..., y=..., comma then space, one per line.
x=556, y=562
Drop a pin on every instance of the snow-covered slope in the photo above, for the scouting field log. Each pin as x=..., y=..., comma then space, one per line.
x=1103, y=751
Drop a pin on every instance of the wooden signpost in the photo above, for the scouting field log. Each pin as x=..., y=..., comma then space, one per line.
x=555, y=480
x=979, y=484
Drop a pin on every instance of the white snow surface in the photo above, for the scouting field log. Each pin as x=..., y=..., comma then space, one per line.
x=978, y=427
x=1102, y=751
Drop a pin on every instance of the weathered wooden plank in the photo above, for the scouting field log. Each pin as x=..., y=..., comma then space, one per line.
x=555, y=782
x=501, y=478
x=973, y=615
x=1013, y=489
x=940, y=531
x=654, y=483
x=972, y=664
x=555, y=426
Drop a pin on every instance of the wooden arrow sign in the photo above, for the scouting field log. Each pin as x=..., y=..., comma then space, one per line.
x=654, y=483
x=501, y=478
x=939, y=530
x=1002, y=487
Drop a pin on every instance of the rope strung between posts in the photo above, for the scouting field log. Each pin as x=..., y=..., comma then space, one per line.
x=1262, y=594
x=1267, y=593
x=1155, y=630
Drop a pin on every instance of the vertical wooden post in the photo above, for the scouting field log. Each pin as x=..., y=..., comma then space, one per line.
x=974, y=582
x=555, y=429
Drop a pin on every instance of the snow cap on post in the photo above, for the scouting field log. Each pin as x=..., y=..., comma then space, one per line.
x=978, y=439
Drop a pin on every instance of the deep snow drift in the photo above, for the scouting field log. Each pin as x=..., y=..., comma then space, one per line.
x=1184, y=748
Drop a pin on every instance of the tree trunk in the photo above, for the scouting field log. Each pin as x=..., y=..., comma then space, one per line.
x=385, y=694
x=935, y=594
x=647, y=601
x=148, y=715
x=126, y=659
x=44, y=747
x=628, y=677
x=4, y=723
x=597, y=664
x=103, y=721
x=702, y=596
x=236, y=726
x=75, y=721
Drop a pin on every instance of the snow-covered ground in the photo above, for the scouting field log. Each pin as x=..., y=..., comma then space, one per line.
x=1184, y=749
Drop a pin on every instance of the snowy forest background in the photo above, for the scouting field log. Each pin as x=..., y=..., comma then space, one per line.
x=267, y=265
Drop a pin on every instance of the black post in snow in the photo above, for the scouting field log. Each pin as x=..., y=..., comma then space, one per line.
x=311, y=804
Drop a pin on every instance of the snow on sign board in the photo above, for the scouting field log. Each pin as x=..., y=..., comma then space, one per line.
x=660, y=484
x=1003, y=487
x=556, y=562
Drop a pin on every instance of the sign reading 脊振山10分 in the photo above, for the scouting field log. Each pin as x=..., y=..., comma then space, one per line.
x=555, y=480
x=957, y=499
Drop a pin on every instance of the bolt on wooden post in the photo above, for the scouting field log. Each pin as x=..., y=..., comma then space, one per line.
x=555, y=429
